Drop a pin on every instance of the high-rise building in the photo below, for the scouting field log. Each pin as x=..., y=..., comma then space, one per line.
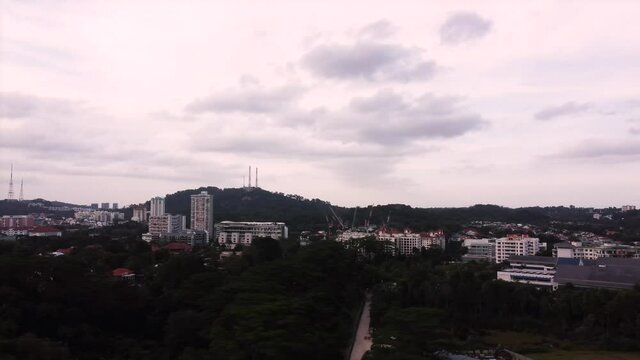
x=95, y=206
x=104, y=206
x=115, y=206
x=139, y=213
x=157, y=206
x=202, y=212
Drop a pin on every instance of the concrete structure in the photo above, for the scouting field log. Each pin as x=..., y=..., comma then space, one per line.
x=516, y=245
x=95, y=206
x=115, y=206
x=188, y=236
x=406, y=241
x=480, y=250
x=139, y=213
x=157, y=206
x=166, y=223
x=626, y=208
x=533, y=270
x=17, y=221
x=44, y=231
x=202, y=213
x=595, y=250
x=236, y=232
x=104, y=206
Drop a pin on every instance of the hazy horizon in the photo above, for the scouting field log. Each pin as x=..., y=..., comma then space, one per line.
x=439, y=104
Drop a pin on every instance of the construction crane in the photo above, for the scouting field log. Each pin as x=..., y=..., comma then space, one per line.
x=336, y=217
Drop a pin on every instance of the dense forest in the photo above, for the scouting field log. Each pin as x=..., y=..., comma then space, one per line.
x=184, y=306
x=424, y=303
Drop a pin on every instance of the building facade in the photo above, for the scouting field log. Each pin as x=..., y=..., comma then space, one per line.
x=532, y=270
x=139, y=213
x=516, y=245
x=157, y=206
x=480, y=250
x=407, y=242
x=166, y=223
x=235, y=232
x=202, y=213
x=17, y=221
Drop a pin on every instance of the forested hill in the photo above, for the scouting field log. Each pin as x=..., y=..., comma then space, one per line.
x=238, y=204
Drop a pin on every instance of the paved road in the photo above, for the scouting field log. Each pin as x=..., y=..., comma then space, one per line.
x=360, y=344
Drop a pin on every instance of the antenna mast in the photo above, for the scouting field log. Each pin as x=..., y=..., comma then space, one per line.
x=249, y=175
x=21, y=197
x=256, y=177
x=10, y=197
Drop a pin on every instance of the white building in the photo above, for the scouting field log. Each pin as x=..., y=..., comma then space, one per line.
x=235, y=232
x=202, y=212
x=595, y=250
x=139, y=213
x=166, y=223
x=157, y=206
x=533, y=270
x=480, y=249
x=626, y=208
x=516, y=245
x=406, y=241
x=349, y=235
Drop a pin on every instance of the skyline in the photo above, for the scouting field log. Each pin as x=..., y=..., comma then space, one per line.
x=431, y=105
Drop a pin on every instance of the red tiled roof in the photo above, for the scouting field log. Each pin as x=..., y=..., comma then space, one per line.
x=121, y=272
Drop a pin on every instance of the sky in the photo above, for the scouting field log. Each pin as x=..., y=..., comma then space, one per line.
x=426, y=103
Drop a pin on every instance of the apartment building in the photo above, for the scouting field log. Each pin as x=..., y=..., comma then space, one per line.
x=480, y=250
x=516, y=245
x=202, y=213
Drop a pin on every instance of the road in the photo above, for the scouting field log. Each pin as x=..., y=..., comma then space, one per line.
x=361, y=344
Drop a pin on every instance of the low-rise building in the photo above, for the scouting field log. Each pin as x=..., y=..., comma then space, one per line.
x=45, y=231
x=533, y=270
x=407, y=242
x=239, y=232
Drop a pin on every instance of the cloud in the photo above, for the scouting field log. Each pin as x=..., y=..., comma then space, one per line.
x=378, y=30
x=250, y=100
x=463, y=27
x=16, y=105
x=602, y=150
x=387, y=118
x=569, y=108
x=368, y=61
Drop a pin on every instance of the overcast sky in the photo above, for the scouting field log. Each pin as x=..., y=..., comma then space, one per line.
x=428, y=103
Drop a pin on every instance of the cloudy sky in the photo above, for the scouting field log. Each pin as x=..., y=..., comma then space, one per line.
x=428, y=103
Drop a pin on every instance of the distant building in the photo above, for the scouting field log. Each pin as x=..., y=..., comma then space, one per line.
x=104, y=206
x=166, y=223
x=406, y=241
x=626, y=208
x=95, y=206
x=594, y=250
x=236, y=232
x=157, y=206
x=45, y=231
x=139, y=213
x=188, y=236
x=202, y=212
x=533, y=270
x=516, y=245
x=480, y=250
x=115, y=206
x=597, y=216
x=17, y=221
